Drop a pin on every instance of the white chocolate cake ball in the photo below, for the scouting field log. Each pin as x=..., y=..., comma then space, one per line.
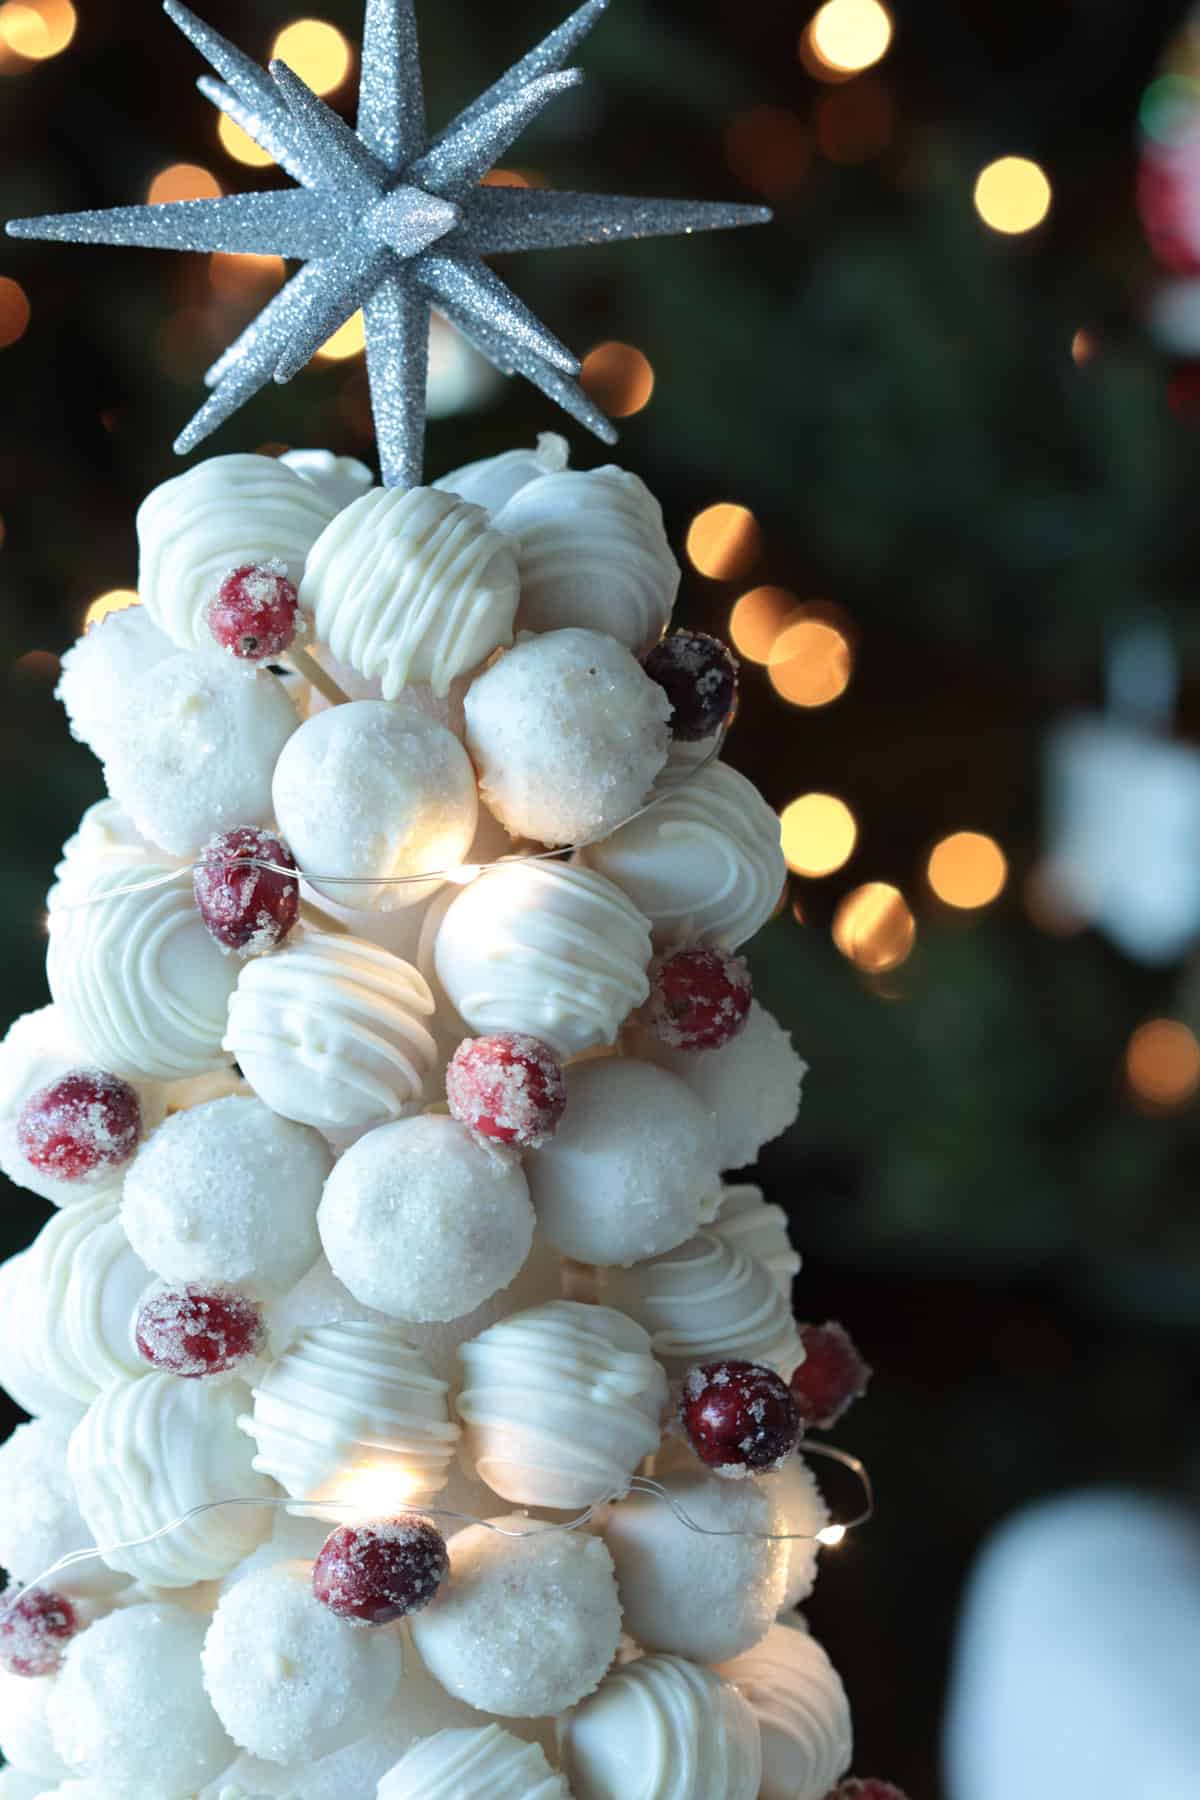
x=288, y=1678
x=101, y=668
x=141, y=985
x=129, y=1705
x=22, y=1347
x=331, y=1031
x=371, y=789
x=705, y=864
x=228, y=1192
x=105, y=838
x=526, y=1625
x=194, y=751
x=704, y=1597
x=485, y=1764
x=494, y=480
x=706, y=1301
x=15, y=1784
x=26, y=1738
x=592, y=552
x=750, y=1087
x=632, y=1169
x=423, y=1221
x=567, y=732
x=218, y=516
x=540, y=948
x=352, y=1413
x=39, y=1517
x=150, y=1449
x=411, y=584
x=761, y=1230
x=85, y=1286
x=560, y=1404
x=801, y=1512
x=660, y=1728
x=338, y=479
x=318, y=1299
x=802, y=1711
x=538, y=1280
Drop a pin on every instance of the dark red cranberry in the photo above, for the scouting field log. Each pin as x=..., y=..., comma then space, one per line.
x=699, y=999
x=382, y=1570
x=508, y=1087
x=193, y=1330
x=832, y=1376
x=739, y=1417
x=246, y=907
x=35, y=1628
x=699, y=674
x=255, y=612
x=83, y=1122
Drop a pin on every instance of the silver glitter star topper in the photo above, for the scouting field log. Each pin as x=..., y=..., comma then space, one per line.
x=391, y=220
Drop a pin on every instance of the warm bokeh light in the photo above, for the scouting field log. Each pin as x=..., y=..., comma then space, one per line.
x=37, y=31
x=831, y=1536
x=618, y=378
x=14, y=312
x=240, y=145
x=723, y=542
x=116, y=600
x=1162, y=1063
x=849, y=35
x=371, y=1490
x=316, y=52
x=37, y=665
x=818, y=833
x=809, y=663
x=1012, y=195
x=348, y=340
x=767, y=149
x=1083, y=348
x=874, y=927
x=506, y=178
x=234, y=277
x=967, y=869
x=757, y=619
x=183, y=181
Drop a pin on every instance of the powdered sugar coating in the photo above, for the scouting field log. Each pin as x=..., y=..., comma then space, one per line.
x=381, y=1569
x=802, y=1513
x=509, y=1087
x=102, y=666
x=86, y=1123
x=40, y=1520
x=26, y=1739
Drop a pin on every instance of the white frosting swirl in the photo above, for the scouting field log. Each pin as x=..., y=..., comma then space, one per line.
x=20, y=1374
x=141, y=984
x=541, y=948
x=351, y=1411
x=760, y=1229
x=329, y=1031
x=338, y=479
x=802, y=1712
x=410, y=584
x=708, y=1300
x=592, y=551
x=199, y=526
x=495, y=479
x=560, y=1403
x=488, y=1764
x=705, y=864
x=660, y=1728
x=145, y=1453
x=87, y=1282
x=105, y=838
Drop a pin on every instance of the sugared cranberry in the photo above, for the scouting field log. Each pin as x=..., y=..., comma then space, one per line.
x=379, y=1571
x=254, y=613
x=699, y=674
x=246, y=907
x=508, y=1087
x=35, y=1629
x=739, y=1417
x=699, y=999
x=867, y=1790
x=83, y=1122
x=193, y=1330
x=832, y=1376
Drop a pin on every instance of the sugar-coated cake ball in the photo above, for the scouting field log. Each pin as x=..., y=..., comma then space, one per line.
x=105, y=838
x=750, y=1088
x=101, y=668
x=352, y=1413
x=22, y=1347
x=708, y=1598
x=494, y=480
x=801, y=1512
x=129, y=1706
x=411, y=585
x=195, y=749
x=632, y=1169
x=218, y=516
x=526, y=1625
x=705, y=864
x=332, y=1031
x=660, y=1726
x=560, y=1403
x=288, y=1679
x=15, y=1784
x=228, y=1192
x=26, y=1738
x=705, y=1300
x=750, y=1222
x=338, y=479
x=802, y=1711
x=485, y=1764
x=422, y=1221
x=567, y=732
x=85, y=1282
x=371, y=789
x=536, y=947
x=592, y=551
x=39, y=1516
x=150, y=1449
x=538, y=1280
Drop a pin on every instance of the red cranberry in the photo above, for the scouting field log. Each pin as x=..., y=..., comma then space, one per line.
x=84, y=1121
x=382, y=1570
x=254, y=613
x=35, y=1629
x=699, y=999
x=246, y=907
x=508, y=1087
x=194, y=1330
x=832, y=1376
x=867, y=1790
x=699, y=674
x=739, y=1417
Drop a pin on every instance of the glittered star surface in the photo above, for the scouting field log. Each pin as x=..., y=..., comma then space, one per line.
x=389, y=219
